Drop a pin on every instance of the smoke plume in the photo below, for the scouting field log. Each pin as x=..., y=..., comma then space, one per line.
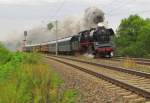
x=39, y=35
x=69, y=26
x=73, y=24
x=93, y=16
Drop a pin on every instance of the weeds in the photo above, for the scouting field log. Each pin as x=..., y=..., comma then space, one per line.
x=69, y=96
x=24, y=78
x=129, y=63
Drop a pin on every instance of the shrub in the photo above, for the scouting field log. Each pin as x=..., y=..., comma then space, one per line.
x=5, y=55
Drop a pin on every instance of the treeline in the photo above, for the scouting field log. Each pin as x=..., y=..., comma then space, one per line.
x=133, y=37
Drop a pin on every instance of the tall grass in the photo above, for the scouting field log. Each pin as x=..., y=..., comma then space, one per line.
x=25, y=78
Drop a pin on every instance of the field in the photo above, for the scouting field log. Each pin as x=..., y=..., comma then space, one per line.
x=25, y=78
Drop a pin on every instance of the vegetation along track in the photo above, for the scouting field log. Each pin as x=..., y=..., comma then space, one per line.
x=138, y=84
x=137, y=60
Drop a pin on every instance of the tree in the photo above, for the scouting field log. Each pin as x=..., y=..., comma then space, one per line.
x=144, y=39
x=133, y=37
x=50, y=26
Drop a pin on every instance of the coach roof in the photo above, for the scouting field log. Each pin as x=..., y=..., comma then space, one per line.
x=65, y=39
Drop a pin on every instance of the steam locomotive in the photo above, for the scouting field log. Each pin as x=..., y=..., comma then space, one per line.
x=97, y=41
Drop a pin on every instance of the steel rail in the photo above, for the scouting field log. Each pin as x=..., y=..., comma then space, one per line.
x=129, y=71
x=139, y=91
x=137, y=60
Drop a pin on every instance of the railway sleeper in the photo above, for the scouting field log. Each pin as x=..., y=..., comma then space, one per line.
x=138, y=100
x=108, y=79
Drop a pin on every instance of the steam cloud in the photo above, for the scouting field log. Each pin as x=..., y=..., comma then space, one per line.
x=73, y=24
x=69, y=26
x=39, y=35
x=93, y=16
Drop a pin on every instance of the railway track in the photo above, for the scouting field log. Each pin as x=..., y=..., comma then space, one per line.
x=134, y=82
x=133, y=72
x=137, y=60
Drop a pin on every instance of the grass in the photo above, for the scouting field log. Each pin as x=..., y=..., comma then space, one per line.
x=129, y=63
x=4, y=55
x=69, y=96
x=25, y=78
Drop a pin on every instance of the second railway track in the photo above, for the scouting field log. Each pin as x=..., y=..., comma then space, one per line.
x=141, y=61
x=134, y=72
x=138, y=84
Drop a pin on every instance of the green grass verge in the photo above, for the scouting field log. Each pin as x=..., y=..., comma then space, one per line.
x=24, y=78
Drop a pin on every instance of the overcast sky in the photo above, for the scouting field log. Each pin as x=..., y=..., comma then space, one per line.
x=19, y=15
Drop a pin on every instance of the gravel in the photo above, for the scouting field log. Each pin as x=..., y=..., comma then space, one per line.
x=91, y=89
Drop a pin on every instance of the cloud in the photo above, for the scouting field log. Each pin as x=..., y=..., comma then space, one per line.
x=25, y=2
x=38, y=2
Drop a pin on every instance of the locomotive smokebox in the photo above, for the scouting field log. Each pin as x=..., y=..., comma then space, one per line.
x=93, y=16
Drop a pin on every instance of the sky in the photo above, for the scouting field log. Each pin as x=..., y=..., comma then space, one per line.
x=19, y=15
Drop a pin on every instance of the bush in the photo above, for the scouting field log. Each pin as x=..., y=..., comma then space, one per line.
x=133, y=37
x=5, y=55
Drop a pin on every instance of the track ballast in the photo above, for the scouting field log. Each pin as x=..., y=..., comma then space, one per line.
x=120, y=78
